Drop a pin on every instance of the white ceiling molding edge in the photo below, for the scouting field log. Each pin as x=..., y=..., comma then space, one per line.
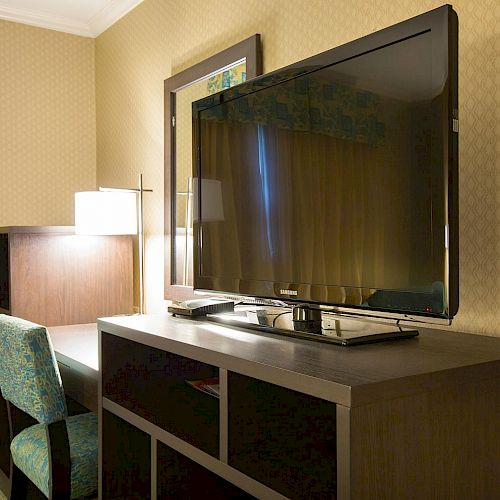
x=43, y=20
x=110, y=14
x=94, y=27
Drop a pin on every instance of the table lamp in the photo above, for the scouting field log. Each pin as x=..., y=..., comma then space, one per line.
x=114, y=211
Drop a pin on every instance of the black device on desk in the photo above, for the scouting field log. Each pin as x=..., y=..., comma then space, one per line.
x=201, y=307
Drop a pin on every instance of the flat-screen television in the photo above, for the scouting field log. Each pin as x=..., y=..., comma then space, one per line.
x=334, y=182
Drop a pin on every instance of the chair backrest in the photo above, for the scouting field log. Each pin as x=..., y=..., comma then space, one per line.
x=29, y=375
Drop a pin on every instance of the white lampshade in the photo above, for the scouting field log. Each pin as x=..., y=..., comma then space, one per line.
x=102, y=212
x=211, y=200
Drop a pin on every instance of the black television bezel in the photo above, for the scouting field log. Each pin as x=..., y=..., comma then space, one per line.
x=442, y=23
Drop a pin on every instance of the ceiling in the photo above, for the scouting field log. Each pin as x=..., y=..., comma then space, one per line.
x=80, y=17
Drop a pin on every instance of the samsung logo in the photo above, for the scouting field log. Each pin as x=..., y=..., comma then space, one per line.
x=288, y=292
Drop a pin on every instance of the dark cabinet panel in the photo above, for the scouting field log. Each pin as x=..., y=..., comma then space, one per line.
x=126, y=460
x=182, y=478
x=152, y=384
x=4, y=438
x=282, y=438
x=4, y=272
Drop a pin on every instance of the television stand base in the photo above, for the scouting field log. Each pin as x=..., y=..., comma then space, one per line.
x=335, y=329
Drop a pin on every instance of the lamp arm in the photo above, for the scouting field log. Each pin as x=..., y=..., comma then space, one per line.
x=124, y=190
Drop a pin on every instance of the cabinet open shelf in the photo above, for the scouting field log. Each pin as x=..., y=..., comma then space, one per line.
x=283, y=439
x=152, y=384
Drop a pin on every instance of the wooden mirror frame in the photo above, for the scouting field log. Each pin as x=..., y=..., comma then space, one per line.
x=248, y=49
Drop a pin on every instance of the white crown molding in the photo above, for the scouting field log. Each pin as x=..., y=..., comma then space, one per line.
x=43, y=20
x=98, y=23
x=113, y=11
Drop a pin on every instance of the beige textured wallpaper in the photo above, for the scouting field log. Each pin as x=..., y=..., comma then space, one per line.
x=47, y=124
x=162, y=37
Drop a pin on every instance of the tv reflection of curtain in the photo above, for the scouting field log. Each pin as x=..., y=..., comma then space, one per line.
x=318, y=215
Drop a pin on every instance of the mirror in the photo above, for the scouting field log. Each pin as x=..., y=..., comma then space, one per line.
x=226, y=69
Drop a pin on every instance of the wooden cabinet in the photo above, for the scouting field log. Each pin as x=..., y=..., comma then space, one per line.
x=51, y=276
x=295, y=419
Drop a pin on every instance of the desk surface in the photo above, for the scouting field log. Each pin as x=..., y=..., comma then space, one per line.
x=77, y=353
x=356, y=374
x=76, y=344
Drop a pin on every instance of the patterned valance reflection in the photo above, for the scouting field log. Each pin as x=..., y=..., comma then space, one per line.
x=227, y=78
x=308, y=104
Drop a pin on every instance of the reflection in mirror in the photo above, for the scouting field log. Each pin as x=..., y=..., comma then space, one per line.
x=221, y=71
x=223, y=79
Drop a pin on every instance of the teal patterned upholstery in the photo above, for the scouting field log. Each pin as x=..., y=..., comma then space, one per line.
x=29, y=376
x=30, y=380
x=30, y=454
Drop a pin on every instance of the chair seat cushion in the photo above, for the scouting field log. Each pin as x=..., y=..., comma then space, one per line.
x=30, y=454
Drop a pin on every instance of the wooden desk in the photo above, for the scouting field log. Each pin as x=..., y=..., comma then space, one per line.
x=76, y=349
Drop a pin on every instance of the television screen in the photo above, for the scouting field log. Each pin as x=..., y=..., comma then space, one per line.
x=334, y=181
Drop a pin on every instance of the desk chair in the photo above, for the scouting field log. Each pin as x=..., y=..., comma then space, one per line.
x=58, y=454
